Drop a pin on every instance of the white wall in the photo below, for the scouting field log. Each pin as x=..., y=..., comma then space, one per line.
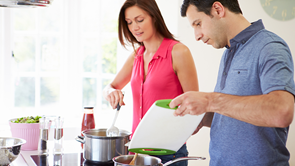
x=207, y=61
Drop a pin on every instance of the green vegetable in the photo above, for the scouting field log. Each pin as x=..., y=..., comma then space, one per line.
x=28, y=119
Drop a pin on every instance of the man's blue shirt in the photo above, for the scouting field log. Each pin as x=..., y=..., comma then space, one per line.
x=256, y=63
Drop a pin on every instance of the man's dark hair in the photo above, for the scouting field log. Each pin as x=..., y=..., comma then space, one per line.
x=205, y=6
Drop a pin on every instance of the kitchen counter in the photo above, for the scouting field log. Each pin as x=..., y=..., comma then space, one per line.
x=19, y=161
x=70, y=147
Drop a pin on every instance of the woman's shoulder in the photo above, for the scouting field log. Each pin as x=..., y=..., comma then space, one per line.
x=179, y=49
x=175, y=44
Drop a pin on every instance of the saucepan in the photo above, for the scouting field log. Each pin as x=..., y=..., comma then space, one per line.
x=98, y=147
x=146, y=160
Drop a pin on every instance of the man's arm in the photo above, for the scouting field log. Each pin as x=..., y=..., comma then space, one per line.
x=206, y=121
x=275, y=109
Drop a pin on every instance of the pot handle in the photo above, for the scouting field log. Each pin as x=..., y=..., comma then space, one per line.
x=80, y=139
x=183, y=158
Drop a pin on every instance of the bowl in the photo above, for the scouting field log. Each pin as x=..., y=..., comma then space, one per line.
x=9, y=149
x=27, y=131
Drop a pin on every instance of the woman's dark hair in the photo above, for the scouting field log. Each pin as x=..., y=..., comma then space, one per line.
x=206, y=5
x=151, y=7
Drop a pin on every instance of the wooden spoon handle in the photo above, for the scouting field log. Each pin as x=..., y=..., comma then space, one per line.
x=133, y=160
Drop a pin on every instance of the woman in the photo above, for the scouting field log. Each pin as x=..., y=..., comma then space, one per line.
x=160, y=67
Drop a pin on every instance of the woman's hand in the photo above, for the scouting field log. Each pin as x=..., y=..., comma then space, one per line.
x=114, y=97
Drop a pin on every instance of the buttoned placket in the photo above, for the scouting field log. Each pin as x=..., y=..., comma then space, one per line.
x=140, y=107
x=228, y=59
x=141, y=90
x=142, y=85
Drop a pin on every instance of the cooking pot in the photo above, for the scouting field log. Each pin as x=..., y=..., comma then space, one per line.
x=99, y=147
x=145, y=160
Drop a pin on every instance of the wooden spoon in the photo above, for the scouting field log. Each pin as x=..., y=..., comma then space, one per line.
x=133, y=160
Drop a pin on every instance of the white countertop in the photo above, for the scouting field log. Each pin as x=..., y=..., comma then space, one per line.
x=24, y=159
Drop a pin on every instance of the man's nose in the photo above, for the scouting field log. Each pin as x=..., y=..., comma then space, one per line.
x=198, y=35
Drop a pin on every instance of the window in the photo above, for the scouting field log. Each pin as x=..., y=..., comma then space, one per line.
x=58, y=59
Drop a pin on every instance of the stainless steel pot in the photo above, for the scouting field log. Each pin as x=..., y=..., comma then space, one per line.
x=145, y=160
x=9, y=149
x=100, y=148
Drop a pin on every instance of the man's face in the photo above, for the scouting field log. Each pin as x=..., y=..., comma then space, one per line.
x=207, y=28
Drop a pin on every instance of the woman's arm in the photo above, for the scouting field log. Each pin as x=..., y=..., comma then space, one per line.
x=112, y=92
x=184, y=67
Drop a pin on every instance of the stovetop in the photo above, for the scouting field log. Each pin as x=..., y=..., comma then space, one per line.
x=68, y=159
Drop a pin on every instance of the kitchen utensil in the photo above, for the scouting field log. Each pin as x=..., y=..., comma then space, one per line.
x=44, y=133
x=58, y=134
x=113, y=130
x=99, y=147
x=25, y=3
x=9, y=149
x=145, y=160
x=161, y=132
x=133, y=160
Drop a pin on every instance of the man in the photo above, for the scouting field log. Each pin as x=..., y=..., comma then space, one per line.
x=252, y=105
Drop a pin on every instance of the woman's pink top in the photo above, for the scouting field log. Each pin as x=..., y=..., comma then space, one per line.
x=161, y=81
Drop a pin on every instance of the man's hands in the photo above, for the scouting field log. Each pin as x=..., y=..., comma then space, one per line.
x=275, y=109
x=192, y=102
